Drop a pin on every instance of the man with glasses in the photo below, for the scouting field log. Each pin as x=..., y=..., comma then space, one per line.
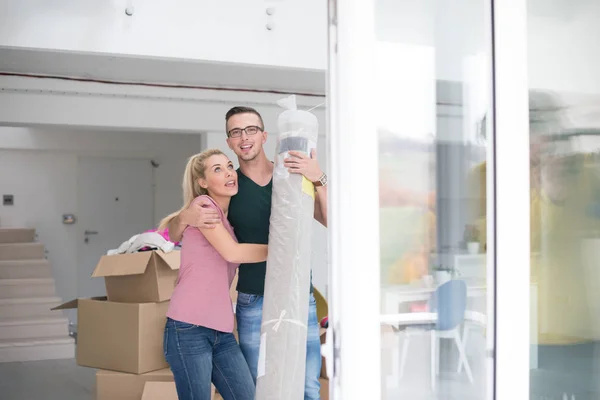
x=249, y=213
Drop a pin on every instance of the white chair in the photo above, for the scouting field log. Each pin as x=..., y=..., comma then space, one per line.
x=448, y=305
x=473, y=319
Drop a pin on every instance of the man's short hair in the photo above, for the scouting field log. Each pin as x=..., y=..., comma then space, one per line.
x=243, y=110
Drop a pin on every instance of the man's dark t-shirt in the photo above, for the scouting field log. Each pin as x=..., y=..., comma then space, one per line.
x=249, y=214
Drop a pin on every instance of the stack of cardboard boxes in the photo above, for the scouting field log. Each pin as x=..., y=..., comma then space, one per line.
x=122, y=334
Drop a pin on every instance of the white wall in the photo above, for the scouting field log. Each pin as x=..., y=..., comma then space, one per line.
x=563, y=54
x=212, y=30
x=319, y=262
x=28, y=101
x=40, y=168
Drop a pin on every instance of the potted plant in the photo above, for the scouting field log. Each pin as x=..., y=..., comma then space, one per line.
x=442, y=274
x=472, y=239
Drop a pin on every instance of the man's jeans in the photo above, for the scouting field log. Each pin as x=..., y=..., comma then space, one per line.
x=199, y=355
x=249, y=319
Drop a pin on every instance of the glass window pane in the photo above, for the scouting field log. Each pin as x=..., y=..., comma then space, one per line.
x=433, y=89
x=564, y=111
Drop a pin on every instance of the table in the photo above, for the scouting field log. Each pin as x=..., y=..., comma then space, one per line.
x=393, y=296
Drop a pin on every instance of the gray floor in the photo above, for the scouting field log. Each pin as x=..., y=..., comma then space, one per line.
x=46, y=380
x=570, y=370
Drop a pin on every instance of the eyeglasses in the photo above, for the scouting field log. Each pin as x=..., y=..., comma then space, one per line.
x=250, y=130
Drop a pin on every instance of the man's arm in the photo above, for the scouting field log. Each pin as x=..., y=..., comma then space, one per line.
x=321, y=205
x=300, y=163
x=198, y=215
x=176, y=229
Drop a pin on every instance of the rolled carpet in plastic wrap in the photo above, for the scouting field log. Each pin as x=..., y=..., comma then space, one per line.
x=282, y=357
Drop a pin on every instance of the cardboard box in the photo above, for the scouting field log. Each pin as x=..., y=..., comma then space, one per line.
x=111, y=385
x=166, y=391
x=144, y=277
x=324, y=388
x=160, y=391
x=123, y=337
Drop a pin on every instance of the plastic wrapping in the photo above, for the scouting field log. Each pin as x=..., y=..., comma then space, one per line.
x=282, y=358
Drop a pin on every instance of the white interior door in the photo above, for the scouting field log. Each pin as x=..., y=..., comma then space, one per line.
x=115, y=202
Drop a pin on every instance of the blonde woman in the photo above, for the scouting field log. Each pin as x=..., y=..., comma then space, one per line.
x=198, y=341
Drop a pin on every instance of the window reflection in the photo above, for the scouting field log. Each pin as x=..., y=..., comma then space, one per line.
x=565, y=229
x=564, y=84
x=432, y=223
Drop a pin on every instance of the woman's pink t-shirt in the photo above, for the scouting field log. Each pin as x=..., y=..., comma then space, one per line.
x=201, y=295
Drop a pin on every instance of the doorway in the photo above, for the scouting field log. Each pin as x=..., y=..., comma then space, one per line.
x=428, y=111
x=115, y=201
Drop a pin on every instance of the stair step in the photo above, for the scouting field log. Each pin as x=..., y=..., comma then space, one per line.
x=34, y=327
x=28, y=307
x=21, y=251
x=35, y=349
x=18, y=288
x=25, y=269
x=17, y=235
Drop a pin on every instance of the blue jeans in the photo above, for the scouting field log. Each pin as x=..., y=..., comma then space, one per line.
x=249, y=319
x=198, y=356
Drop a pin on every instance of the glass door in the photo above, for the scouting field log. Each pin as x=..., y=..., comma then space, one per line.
x=428, y=153
x=564, y=117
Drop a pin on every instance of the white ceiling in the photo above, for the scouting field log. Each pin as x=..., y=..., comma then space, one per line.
x=155, y=70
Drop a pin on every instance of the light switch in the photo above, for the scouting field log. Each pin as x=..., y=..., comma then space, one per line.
x=8, y=200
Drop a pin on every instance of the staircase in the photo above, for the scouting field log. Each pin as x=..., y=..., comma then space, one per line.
x=28, y=329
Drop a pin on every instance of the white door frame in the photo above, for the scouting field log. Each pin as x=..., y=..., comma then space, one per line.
x=353, y=234
x=511, y=249
x=354, y=203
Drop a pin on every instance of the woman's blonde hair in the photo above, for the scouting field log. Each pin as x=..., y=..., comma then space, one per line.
x=194, y=170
